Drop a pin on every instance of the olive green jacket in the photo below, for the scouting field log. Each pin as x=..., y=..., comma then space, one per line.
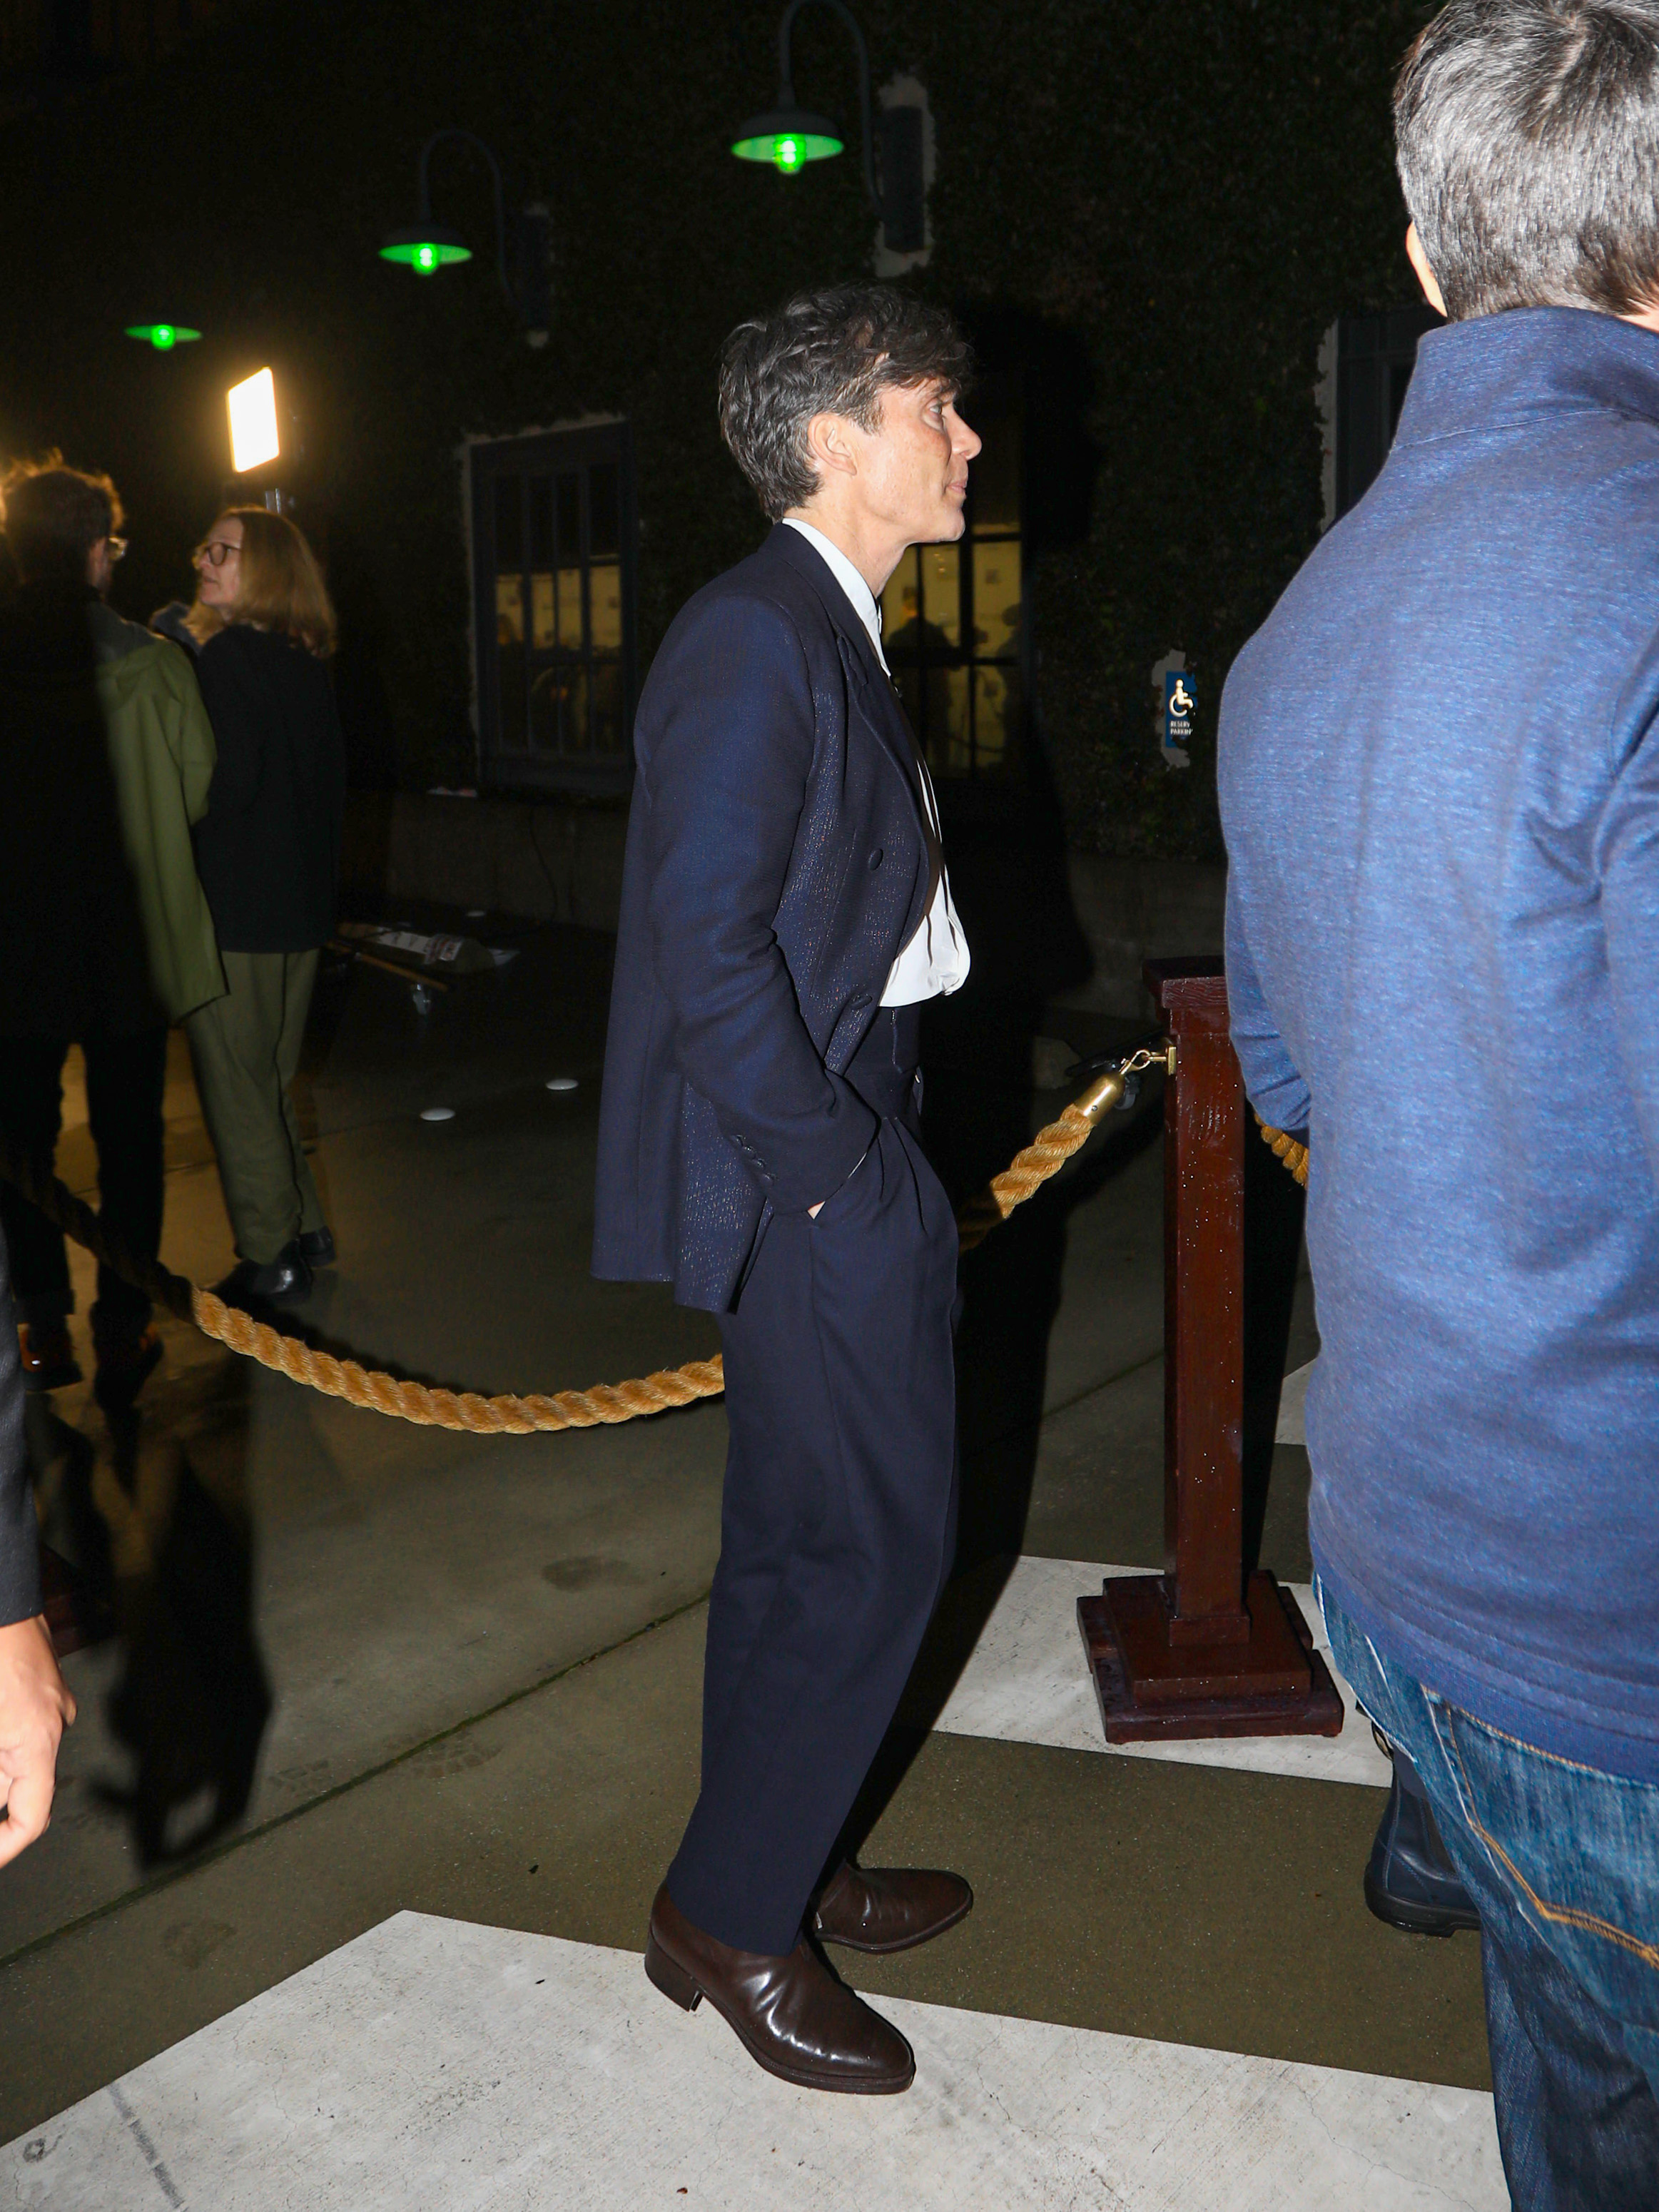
x=161, y=753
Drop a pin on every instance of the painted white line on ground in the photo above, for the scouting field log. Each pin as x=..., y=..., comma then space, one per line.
x=434, y=2066
x=1028, y=1682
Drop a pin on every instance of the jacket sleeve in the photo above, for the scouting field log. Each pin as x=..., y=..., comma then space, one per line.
x=1272, y=1082
x=236, y=715
x=724, y=780
x=20, y=1552
x=1626, y=857
x=191, y=738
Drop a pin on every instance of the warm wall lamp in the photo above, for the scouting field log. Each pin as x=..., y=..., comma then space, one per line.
x=789, y=136
x=162, y=336
x=429, y=247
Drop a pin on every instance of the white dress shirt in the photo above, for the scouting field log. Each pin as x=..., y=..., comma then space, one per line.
x=937, y=959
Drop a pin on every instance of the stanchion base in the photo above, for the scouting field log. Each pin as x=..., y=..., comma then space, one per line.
x=1153, y=1691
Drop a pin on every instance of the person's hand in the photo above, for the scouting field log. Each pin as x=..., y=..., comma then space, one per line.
x=35, y=1707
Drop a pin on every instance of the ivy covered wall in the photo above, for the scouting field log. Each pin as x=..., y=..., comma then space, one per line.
x=1179, y=197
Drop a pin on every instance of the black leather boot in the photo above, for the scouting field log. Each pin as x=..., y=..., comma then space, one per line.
x=283, y=1281
x=1411, y=1881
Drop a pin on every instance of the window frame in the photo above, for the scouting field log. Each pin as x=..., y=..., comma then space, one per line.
x=550, y=453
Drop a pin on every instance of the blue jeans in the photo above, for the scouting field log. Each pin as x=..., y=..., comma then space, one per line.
x=1563, y=1864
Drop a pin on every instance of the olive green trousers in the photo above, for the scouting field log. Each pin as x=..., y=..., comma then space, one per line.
x=244, y=1048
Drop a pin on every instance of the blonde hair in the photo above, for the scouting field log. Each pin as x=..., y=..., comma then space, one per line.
x=280, y=586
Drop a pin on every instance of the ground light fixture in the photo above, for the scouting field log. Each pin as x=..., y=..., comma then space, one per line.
x=790, y=136
x=253, y=434
x=162, y=336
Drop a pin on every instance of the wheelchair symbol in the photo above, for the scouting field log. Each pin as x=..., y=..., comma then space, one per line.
x=1181, y=699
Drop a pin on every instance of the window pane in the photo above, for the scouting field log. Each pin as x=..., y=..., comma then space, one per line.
x=948, y=748
x=541, y=523
x=603, y=516
x=941, y=598
x=509, y=659
x=558, y=708
x=609, y=735
x=542, y=631
x=996, y=719
x=570, y=608
x=994, y=475
x=604, y=604
x=901, y=583
x=510, y=522
x=996, y=599
x=569, y=507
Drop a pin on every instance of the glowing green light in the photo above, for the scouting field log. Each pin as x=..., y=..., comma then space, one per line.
x=426, y=256
x=787, y=150
x=162, y=336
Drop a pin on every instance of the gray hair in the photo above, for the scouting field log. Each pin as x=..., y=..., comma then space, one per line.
x=829, y=352
x=1527, y=137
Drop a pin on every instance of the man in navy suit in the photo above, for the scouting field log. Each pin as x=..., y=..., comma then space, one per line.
x=785, y=914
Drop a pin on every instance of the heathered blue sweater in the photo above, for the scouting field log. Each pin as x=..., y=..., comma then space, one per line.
x=1439, y=777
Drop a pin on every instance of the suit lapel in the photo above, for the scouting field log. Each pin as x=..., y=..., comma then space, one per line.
x=869, y=688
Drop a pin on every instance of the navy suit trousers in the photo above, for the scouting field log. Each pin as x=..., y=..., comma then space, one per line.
x=836, y=1529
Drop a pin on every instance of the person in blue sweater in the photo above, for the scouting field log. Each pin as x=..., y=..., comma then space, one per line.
x=1439, y=771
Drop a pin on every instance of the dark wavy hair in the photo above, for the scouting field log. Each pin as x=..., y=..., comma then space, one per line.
x=55, y=515
x=829, y=352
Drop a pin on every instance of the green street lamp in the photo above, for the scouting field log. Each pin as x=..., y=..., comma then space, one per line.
x=789, y=136
x=162, y=336
x=426, y=248
x=426, y=251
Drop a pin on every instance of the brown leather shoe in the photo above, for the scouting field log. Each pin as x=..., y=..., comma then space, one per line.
x=883, y=1909
x=790, y=2014
x=48, y=1359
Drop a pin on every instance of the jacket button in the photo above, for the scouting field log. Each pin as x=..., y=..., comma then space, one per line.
x=875, y=860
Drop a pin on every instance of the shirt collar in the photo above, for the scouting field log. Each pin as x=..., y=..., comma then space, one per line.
x=859, y=596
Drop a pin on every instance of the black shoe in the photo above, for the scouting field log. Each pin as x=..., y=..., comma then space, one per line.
x=1410, y=1882
x=283, y=1281
x=317, y=1246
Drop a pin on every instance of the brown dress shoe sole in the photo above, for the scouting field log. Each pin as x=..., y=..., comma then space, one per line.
x=674, y=1982
x=901, y=1943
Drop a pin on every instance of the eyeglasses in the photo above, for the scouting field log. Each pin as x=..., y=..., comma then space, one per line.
x=117, y=548
x=218, y=550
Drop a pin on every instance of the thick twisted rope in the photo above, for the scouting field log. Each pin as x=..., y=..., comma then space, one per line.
x=605, y=1404
x=1285, y=1148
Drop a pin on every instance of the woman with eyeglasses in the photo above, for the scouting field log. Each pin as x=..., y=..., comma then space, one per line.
x=269, y=856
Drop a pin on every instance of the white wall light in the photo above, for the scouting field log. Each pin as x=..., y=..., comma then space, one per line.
x=254, y=439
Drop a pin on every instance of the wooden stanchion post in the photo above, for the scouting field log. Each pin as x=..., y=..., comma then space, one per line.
x=1199, y=1650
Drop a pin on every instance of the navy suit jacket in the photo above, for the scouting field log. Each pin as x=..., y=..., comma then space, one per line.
x=776, y=865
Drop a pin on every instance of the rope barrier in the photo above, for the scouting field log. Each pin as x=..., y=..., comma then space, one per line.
x=606, y=1403
x=1294, y=1156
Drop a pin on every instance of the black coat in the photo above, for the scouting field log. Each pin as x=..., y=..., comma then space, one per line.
x=268, y=851
x=776, y=864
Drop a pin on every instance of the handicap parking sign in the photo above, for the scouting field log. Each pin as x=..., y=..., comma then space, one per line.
x=1180, y=704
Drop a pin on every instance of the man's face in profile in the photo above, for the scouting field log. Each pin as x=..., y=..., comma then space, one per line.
x=914, y=469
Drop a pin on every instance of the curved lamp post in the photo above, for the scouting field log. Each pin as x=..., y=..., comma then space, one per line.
x=427, y=247
x=789, y=136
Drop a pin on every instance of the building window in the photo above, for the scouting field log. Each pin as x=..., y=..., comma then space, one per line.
x=553, y=549
x=952, y=616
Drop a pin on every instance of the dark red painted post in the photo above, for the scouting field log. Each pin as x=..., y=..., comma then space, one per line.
x=1197, y=1652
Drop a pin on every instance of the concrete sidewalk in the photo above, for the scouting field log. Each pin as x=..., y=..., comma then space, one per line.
x=481, y=1656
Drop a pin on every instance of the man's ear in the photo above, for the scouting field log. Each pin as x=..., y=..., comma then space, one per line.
x=830, y=446
x=1425, y=275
